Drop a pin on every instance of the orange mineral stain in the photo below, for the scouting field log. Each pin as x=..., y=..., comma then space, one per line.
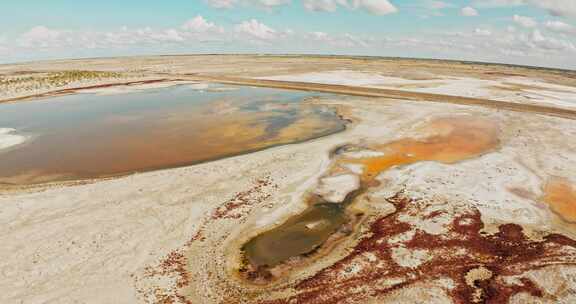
x=560, y=195
x=447, y=140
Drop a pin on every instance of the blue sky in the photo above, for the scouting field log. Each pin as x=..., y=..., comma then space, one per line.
x=535, y=32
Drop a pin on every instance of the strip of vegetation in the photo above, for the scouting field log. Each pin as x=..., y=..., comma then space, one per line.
x=29, y=82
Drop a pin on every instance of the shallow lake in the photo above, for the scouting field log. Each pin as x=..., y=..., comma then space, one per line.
x=93, y=135
x=299, y=235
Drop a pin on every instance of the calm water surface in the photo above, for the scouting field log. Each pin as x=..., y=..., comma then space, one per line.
x=89, y=135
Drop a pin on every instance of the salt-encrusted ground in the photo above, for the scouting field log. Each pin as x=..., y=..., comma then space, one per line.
x=431, y=232
x=10, y=138
x=510, y=88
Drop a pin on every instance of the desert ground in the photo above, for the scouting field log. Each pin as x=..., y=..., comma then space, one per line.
x=453, y=182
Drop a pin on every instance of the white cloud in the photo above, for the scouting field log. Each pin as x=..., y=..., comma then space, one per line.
x=564, y=8
x=482, y=32
x=227, y=4
x=41, y=36
x=468, y=11
x=545, y=43
x=498, y=3
x=436, y=5
x=70, y=41
x=322, y=5
x=525, y=21
x=270, y=3
x=354, y=40
x=170, y=35
x=550, y=44
x=340, y=41
x=255, y=29
x=200, y=25
x=318, y=36
x=222, y=3
x=376, y=7
x=560, y=27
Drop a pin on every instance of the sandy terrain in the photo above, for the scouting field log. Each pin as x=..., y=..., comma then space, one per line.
x=489, y=219
x=513, y=88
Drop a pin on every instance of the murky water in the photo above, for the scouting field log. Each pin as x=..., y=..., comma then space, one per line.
x=87, y=135
x=298, y=235
x=446, y=140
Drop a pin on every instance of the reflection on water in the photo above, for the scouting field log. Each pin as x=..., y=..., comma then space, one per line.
x=87, y=135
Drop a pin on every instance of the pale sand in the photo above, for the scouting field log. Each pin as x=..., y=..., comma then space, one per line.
x=534, y=90
x=93, y=243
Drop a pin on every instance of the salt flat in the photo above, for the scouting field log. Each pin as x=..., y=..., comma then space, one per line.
x=431, y=230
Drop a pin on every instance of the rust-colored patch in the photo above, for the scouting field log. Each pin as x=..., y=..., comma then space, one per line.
x=241, y=204
x=448, y=140
x=245, y=199
x=452, y=256
x=173, y=266
x=560, y=195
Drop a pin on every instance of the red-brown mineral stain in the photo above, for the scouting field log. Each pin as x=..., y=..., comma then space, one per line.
x=452, y=255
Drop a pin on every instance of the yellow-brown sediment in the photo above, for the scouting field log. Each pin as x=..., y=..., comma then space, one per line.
x=560, y=195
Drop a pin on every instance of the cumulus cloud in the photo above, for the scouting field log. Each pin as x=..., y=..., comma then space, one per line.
x=227, y=4
x=322, y=5
x=41, y=36
x=200, y=25
x=560, y=27
x=549, y=43
x=498, y=3
x=468, y=11
x=222, y=3
x=482, y=32
x=255, y=29
x=376, y=7
x=564, y=8
x=346, y=40
x=525, y=21
x=527, y=41
x=432, y=4
x=270, y=3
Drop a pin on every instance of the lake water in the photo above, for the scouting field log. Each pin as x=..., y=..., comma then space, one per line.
x=89, y=135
